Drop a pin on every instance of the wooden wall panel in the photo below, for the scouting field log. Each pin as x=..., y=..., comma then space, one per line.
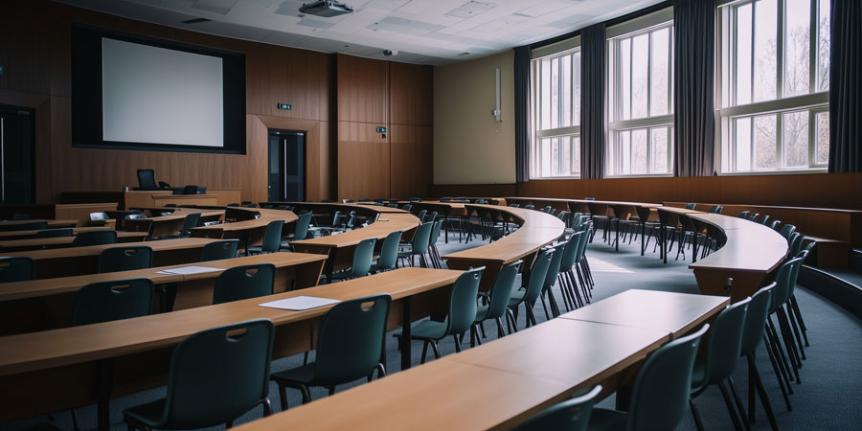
x=362, y=90
x=411, y=160
x=411, y=91
x=363, y=161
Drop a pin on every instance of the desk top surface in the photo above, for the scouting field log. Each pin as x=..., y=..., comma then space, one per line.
x=94, y=250
x=60, y=241
x=586, y=201
x=385, y=224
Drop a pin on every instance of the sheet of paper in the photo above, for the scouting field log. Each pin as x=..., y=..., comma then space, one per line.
x=299, y=303
x=189, y=270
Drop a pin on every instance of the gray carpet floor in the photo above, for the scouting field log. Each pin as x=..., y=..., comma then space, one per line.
x=829, y=396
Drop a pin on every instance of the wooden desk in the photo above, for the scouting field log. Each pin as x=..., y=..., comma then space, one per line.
x=7, y=225
x=249, y=232
x=536, y=230
x=496, y=385
x=677, y=313
x=749, y=254
x=28, y=234
x=38, y=305
x=59, y=242
x=61, y=262
x=136, y=352
x=170, y=225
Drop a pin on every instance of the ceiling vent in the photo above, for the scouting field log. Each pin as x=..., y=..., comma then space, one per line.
x=325, y=8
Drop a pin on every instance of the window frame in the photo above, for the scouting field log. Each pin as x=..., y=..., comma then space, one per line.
x=727, y=111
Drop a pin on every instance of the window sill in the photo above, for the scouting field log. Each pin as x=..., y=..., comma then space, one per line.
x=782, y=172
x=639, y=176
x=554, y=178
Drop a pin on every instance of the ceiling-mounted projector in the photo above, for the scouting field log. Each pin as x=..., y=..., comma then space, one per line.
x=325, y=8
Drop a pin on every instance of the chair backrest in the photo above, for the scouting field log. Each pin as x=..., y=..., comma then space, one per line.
x=243, y=282
x=147, y=179
x=389, y=251
x=755, y=321
x=569, y=415
x=691, y=206
x=765, y=219
x=716, y=209
x=125, y=258
x=351, y=340
x=272, y=236
x=422, y=237
x=433, y=216
x=218, y=374
x=502, y=290
x=536, y=278
x=224, y=249
x=724, y=345
x=787, y=230
x=462, y=301
x=113, y=300
x=784, y=279
x=744, y=214
x=421, y=215
x=570, y=252
x=190, y=222
x=435, y=231
x=554, y=267
x=406, y=207
x=95, y=238
x=795, y=243
x=775, y=224
x=363, y=256
x=337, y=219
x=662, y=388
x=54, y=233
x=351, y=220
x=300, y=229
x=15, y=269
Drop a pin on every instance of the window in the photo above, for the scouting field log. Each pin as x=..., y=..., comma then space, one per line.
x=640, y=102
x=774, y=105
x=556, y=144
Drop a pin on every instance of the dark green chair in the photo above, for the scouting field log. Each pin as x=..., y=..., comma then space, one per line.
x=659, y=397
x=752, y=337
x=55, y=233
x=125, y=258
x=349, y=347
x=462, y=314
x=363, y=256
x=300, y=230
x=190, y=222
x=113, y=300
x=567, y=273
x=551, y=280
x=787, y=230
x=215, y=377
x=15, y=269
x=271, y=238
x=419, y=245
x=388, y=259
x=95, y=238
x=723, y=349
x=529, y=294
x=224, y=249
x=244, y=282
x=569, y=415
x=497, y=301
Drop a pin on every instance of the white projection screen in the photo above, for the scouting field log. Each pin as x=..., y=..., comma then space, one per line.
x=153, y=95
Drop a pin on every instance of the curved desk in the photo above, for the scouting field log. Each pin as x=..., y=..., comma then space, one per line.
x=249, y=231
x=749, y=254
x=61, y=241
x=536, y=229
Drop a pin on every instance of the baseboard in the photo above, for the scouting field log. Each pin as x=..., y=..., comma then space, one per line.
x=843, y=293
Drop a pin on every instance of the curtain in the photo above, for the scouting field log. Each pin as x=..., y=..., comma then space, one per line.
x=593, y=101
x=694, y=69
x=522, y=113
x=845, y=88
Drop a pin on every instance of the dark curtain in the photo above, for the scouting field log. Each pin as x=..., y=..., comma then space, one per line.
x=845, y=88
x=694, y=130
x=593, y=101
x=522, y=113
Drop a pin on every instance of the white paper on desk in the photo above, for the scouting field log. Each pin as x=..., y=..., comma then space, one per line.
x=299, y=303
x=189, y=270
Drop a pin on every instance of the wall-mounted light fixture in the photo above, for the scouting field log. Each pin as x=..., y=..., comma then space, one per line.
x=497, y=112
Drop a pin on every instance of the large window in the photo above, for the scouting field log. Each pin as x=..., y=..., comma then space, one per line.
x=556, y=143
x=774, y=106
x=640, y=102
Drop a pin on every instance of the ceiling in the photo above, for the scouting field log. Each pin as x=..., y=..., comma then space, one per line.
x=421, y=31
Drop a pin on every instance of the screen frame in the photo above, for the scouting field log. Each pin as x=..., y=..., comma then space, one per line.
x=87, y=93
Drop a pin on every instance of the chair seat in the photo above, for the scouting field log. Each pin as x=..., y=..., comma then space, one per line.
x=607, y=420
x=303, y=375
x=517, y=297
x=428, y=330
x=149, y=414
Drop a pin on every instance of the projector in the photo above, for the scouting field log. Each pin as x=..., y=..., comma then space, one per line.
x=325, y=8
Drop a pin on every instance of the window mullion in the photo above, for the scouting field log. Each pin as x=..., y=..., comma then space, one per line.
x=779, y=89
x=813, y=48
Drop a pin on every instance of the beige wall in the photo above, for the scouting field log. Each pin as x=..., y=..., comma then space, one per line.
x=470, y=147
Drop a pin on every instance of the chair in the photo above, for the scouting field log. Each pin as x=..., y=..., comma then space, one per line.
x=147, y=179
x=497, y=300
x=95, y=238
x=215, y=377
x=363, y=255
x=661, y=390
x=350, y=346
x=244, y=282
x=190, y=222
x=224, y=249
x=691, y=206
x=300, y=229
x=15, y=269
x=421, y=215
x=54, y=233
x=433, y=252
x=462, y=314
x=419, y=245
x=388, y=259
x=723, y=349
x=550, y=280
x=529, y=293
x=271, y=238
x=787, y=230
x=752, y=336
x=566, y=274
x=125, y=258
x=113, y=300
x=569, y=415
x=744, y=214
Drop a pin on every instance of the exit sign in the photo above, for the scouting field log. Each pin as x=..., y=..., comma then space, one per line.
x=285, y=106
